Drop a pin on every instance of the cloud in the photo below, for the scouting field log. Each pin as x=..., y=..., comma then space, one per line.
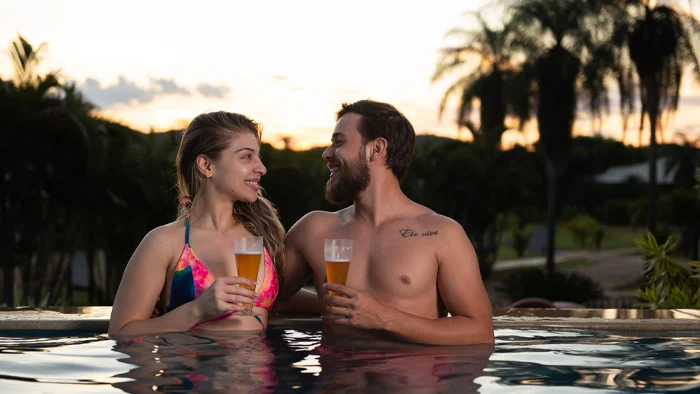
x=168, y=86
x=209, y=90
x=125, y=91
x=279, y=77
x=693, y=99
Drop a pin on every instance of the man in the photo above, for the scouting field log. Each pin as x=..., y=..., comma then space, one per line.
x=409, y=264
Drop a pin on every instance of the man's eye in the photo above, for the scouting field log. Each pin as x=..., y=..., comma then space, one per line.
x=246, y=157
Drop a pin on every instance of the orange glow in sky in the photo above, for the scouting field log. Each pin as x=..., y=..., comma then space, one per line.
x=289, y=65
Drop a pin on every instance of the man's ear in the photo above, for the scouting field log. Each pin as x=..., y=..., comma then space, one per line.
x=378, y=149
x=205, y=165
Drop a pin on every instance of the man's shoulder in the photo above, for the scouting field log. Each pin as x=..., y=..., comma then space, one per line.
x=441, y=222
x=318, y=220
x=433, y=217
x=322, y=216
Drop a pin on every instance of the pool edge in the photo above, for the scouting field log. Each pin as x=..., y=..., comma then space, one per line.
x=97, y=319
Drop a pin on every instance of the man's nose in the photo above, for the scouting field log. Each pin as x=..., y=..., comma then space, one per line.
x=327, y=154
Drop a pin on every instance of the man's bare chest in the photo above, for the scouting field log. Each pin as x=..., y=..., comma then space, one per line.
x=395, y=260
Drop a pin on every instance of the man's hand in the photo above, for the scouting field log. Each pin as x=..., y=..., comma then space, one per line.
x=355, y=308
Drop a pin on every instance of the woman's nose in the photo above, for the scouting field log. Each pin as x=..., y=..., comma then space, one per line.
x=261, y=168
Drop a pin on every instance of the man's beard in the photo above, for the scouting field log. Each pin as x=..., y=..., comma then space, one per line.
x=348, y=181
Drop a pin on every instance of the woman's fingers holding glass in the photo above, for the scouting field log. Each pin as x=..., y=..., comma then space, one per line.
x=233, y=304
x=238, y=291
x=241, y=291
x=237, y=280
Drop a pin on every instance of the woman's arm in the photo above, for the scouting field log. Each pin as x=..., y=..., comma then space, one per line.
x=143, y=282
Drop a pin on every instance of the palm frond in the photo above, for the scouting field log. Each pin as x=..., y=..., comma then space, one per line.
x=25, y=58
x=471, y=91
x=452, y=59
x=459, y=86
x=518, y=94
x=689, y=34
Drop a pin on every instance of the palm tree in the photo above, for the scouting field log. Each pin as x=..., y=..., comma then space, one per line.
x=51, y=163
x=500, y=88
x=662, y=43
x=25, y=59
x=23, y=102
x=685, y=158
x=570, y=42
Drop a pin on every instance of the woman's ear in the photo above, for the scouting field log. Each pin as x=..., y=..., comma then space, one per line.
x=205, y=166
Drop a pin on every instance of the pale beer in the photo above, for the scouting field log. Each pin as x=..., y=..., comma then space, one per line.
x=248, y=250
x=248, y=265
x=337, y=272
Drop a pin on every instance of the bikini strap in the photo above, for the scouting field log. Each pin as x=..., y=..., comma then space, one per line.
x=260, y=321
x=187, y=230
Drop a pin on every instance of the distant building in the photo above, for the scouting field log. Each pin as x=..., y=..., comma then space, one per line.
x=639, y=172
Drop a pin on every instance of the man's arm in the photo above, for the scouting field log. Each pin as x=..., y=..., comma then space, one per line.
x=462, y=291
x=297, y=271
x=303, y=301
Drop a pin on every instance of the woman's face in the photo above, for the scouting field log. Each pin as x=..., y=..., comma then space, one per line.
x=238, y=169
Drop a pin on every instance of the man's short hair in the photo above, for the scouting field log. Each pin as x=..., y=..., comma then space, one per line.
x=382, y=120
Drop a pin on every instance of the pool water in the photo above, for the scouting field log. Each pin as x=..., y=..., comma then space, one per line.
x=296, y=359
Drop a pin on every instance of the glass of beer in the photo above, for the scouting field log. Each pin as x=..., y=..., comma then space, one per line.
x=249, y=252
x=338, y=253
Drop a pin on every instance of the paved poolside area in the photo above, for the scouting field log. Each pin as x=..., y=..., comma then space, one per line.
x=613, y=269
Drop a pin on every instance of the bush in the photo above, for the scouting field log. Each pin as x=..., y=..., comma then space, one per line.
x=583, y=227
x=616, y=212
x=637, y=212
x=670, y=284
x=521, y=239
x=572, y=287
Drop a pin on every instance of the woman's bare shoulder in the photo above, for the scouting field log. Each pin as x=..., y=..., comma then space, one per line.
x=167, y=235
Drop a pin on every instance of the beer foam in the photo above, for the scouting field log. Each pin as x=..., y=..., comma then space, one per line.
x=338, y=261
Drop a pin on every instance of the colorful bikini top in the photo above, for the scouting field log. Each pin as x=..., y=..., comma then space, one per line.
x=192, y=278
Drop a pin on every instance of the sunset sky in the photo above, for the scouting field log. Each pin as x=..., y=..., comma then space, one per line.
x=289, y=65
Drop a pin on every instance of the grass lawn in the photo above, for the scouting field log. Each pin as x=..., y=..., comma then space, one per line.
x=634, y=285
x=616, y=237
x=508, y=253
x=500, y=275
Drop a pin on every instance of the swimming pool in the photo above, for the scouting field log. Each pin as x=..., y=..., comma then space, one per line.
x=294, y=358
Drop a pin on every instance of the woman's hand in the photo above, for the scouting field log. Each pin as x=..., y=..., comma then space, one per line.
x=225, y=295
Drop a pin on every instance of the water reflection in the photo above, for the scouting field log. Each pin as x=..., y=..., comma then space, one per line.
x=295, y=358
x=349, y=368
x=593, y=361
x=73, y=364
x=286, y=360
x=195, y=362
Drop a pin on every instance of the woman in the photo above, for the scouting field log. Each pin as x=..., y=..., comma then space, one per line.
x=218, y=170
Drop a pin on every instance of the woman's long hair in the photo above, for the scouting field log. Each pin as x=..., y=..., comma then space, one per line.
x=209, y=134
